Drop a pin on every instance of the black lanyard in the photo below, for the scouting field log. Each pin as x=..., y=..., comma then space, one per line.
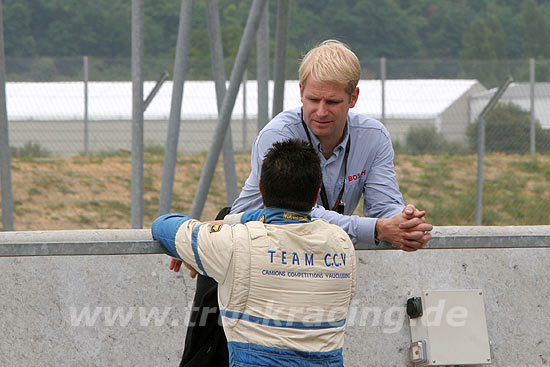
x=339, y=204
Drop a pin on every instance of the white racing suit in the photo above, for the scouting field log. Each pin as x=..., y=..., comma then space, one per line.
x=285, y=282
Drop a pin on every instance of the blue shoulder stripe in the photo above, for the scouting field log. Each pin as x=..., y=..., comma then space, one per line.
x=195, y=245
x=251, y=215
x=279, y=323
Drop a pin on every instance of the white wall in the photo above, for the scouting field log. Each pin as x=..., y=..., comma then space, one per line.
x=42, y=298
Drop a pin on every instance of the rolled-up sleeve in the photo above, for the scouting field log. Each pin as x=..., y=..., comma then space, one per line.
x=381, y=195
x=359, y=229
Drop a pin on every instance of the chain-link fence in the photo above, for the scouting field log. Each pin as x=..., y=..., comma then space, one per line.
x=52, y=109
x=454, y=107
x=49, y=103
x=430, y=107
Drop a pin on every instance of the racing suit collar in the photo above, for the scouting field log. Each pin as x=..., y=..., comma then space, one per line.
x=284, y=216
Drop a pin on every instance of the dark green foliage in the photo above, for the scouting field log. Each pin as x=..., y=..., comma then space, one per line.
x=427, y=140
x=507, y=130
x=484, y=40
x=435, y=29
x=29, y=150
x=542, y=71
x=424, y=140
x=483, y=45
x=536, y=29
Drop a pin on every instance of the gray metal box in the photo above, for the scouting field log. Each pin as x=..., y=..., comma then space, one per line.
x=452, y=329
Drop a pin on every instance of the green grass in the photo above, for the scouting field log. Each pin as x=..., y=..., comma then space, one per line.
x=516, y=188
x=55, y=206
x=154, y=150
x=34, y=191
x=29, y=151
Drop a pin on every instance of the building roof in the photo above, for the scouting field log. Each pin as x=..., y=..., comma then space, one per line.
x=518, y=90
x=411, y=98
x=46, y=101
x=518, y=94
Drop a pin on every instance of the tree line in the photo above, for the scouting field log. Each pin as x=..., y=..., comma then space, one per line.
x=482, y=30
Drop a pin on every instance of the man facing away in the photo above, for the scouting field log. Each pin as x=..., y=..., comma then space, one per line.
x=285, y=280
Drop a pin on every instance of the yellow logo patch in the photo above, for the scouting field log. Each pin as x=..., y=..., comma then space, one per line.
x=215, y=228
x=295, y=216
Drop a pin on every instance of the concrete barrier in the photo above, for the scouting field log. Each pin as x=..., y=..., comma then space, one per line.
x=130, y=310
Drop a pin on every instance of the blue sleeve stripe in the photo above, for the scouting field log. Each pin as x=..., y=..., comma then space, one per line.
x=195, y=245
x=279, y=323
x=165, y=228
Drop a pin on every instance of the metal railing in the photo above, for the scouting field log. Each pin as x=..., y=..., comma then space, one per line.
x=140, y=241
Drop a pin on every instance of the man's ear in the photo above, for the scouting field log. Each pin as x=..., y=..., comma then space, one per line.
x=316, y=197
x=353, y=98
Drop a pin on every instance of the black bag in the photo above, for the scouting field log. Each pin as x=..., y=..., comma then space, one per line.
x=205, y=342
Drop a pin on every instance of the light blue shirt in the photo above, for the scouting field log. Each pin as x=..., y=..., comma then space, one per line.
x=370, y=172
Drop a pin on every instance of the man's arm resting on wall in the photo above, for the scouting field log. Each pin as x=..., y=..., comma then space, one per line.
x=200, y=245
x=405, y=230
x=175, y=263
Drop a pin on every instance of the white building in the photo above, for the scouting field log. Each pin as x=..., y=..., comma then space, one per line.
x=443, y=103
x=520, y=95
x=52, y=113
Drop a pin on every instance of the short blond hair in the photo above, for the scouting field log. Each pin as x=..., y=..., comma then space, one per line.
x=331, y=61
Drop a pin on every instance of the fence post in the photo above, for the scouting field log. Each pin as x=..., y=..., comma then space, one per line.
x=532, y=105
x=86, y=137
x=137, y=115
x=481, y=147
x=262, y=68
x=480, y=167
x=227, y=107
x=218, y=71
x=383, y=88
x=5, y=160
x=245, y=79
x=180, y=68
x=163, y=77
x=281, y=39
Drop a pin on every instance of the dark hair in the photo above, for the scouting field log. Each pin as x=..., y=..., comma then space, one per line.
x=291, y=175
